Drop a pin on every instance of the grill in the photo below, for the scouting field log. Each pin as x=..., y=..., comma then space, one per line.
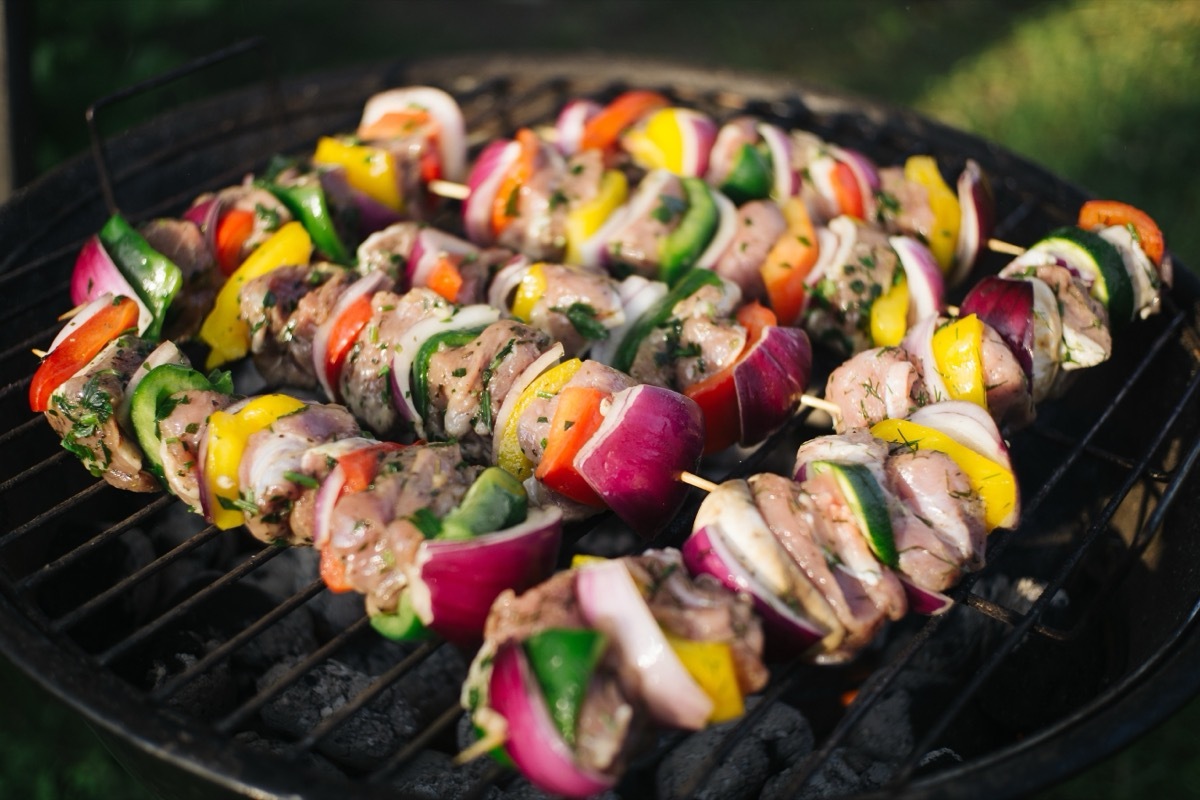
x=210, y=664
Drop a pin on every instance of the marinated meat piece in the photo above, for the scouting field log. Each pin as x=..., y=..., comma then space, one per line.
x=182, y=242
x=855, y=447
x=1087, y=340
x=637, y=244
x=539, y=229
x=874, y=385
x=468, y=384
x=699, y=339
x=181, y=431
x=272, y=460
x=862, y=268
x=412, y=152
x=733, y=136
x=86, y=412
x=582, y=178
x=373, y=530
x=843, y=607
x=577, y=302
x=925, y=558
x=608, y=726
x=760, y=224
x=317, y=462
x=836, y=530
x=935, y=489
x=702, y=610
x=388, y=250
x=904, y=205
x=366, y=382
x=534, y=425
x=1008, y=398
x=477, y=271
x=550, y=604
x=283, y=309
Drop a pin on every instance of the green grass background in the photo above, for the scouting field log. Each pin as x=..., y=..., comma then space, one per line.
x=1103, y=92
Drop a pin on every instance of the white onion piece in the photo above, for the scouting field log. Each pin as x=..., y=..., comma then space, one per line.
x=331, y=487
x=540, y=364
x=723, y=235
x=205, y=215
x=83, y=315
x=533, y=742
x=96, y=274
x=613, y=604
x=484, y=182
x=165, y=353
x=594, y=252
x=638, y=295
x=367, y=285
x=1047, y=340
x=454, y=581
x=786, y=181
x=1142, y=273
x=926, y=288
x=451, y=137
x=977, y=214
x=788, y=634
x=967, y=424
x=506, y=282
x=918, y=342
x=648, y=436
x=697, y=132
x=405, y=350
x=568, y=127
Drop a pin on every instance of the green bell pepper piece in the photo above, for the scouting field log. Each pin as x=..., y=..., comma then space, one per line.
x=751, y=177
x=401, y=625
x=153, y=400
x=495, y=501
x=659, y=313
x=683, y=246
x=420, y=365
x=154, y=277
x=306, y=200
x=563, y=660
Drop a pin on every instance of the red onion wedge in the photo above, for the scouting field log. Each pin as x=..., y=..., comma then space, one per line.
x=97, y=274
x=365, y=286
x=978, y=219
x=769, y=380
x=454, y=581
x=205, y=215
x=334, y=482
x=1007, y=306
x=698, y=132
x=568, y=127
x=483, y=184
x=612, y=603
x=788, y=633
x=505, y=283
x=925, y=602
x=542, y=363
x=926, y=287
x=533, y=742
x=649, y=435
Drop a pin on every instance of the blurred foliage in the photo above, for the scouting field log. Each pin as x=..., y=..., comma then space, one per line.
x=1103, y=92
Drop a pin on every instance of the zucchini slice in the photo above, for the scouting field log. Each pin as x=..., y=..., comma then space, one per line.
x=868, y=503
x=1090, y=254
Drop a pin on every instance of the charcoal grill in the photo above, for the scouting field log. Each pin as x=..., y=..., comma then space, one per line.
x=1079, y=635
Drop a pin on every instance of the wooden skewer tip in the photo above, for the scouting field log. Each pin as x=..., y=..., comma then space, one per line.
x=1001, y=246
x=39, y=353
x=449, y=189
x=71, y=313
x=820, y=404
x=692, y=479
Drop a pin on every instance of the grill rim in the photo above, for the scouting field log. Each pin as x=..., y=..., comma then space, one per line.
x=28, y=648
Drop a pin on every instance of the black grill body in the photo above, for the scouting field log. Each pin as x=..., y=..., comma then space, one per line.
x=1078, y=636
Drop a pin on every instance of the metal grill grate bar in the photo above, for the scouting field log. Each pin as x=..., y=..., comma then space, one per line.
x=45, y=517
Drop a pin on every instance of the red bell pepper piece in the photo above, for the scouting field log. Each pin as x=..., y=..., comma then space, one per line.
x=847, y=191
x=345, y=332
x=603, y=130
x=445, y=279
x=80, y=347
x=576, y=418
x=233, y=229
x=1103, y=213
x=504, y=204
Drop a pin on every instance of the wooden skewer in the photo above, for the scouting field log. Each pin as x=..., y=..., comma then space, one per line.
x=821, y=404
x=71, y=313
x=1001, y=246
x=692, y=479
x=39, y=353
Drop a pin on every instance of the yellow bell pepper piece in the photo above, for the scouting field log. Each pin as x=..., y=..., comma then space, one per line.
x=994, y=484
x=889, y=315
x=227, y=435
x=659, y=144
x=583, y=559
x=531, y=289
x=371, y=170
x=711, y=665
x=509, y=455
x=223, y=329
x=957, y=350
x=586, y=219
x=942, y=202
